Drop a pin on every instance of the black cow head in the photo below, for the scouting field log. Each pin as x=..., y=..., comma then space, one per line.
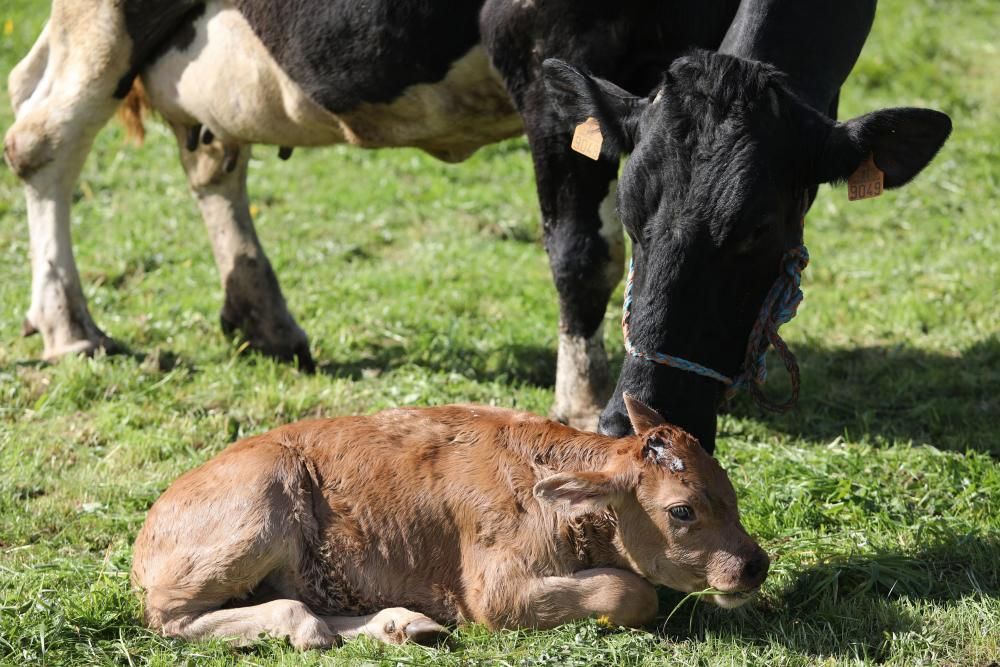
x=725, y=160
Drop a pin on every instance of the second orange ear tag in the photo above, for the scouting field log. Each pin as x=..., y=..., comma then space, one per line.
x=866, y=182
x=587, y=138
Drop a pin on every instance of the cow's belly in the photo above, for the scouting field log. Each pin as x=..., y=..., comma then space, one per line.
x=225, y=79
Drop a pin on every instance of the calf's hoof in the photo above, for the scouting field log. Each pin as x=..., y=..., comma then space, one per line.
x=398, y=625
x=425, y=631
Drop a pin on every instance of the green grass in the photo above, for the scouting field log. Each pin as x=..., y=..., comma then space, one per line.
x=418, y=282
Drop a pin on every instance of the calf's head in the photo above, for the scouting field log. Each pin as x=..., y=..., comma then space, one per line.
x=678, y=524
x=725, y=161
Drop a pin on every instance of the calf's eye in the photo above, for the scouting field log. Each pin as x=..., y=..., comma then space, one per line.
x=682, y=513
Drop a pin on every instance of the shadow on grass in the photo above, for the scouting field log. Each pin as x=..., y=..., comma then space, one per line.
x=849, y=606
x=893, y=393
x=512, y=364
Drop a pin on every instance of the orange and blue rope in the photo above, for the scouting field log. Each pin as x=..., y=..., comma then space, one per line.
x=780, y=306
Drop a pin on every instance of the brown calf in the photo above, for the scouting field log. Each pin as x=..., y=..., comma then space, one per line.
x=333, y=528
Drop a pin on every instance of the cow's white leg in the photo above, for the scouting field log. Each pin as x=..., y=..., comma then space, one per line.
x=26, y=75
x=583, y=376
x=394, y=625
x=253, y=304
x=583, y=379
x=58, y=307
x=63, y=94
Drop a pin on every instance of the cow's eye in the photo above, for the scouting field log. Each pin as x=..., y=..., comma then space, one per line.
x=682, y=513
x=750, y=242
x=761, y=230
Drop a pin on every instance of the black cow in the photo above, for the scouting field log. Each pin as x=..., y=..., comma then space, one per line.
x=726, y=159
x=727, y=151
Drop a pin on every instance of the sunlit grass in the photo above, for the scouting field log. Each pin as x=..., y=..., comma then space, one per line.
x=878, y=499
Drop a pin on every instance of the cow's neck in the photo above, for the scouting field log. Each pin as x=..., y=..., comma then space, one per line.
x=815, y=43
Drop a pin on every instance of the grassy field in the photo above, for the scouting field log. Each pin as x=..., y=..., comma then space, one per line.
x=422, y=283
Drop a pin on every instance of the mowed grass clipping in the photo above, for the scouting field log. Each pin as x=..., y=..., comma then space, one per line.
x=422, y=283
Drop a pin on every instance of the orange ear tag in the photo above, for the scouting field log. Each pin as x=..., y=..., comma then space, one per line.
x=587, y=138
x=866, y=182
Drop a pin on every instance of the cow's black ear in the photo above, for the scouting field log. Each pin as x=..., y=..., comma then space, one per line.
x=902, y=141
x=578, y=96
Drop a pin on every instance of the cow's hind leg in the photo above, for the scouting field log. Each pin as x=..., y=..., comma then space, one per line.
x=254, y=304
x=63, y=94
x=24, y=79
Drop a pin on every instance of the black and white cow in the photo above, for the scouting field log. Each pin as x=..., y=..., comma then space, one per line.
x=727, y=151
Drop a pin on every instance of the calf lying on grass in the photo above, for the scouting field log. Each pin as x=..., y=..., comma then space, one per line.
x=336, y=528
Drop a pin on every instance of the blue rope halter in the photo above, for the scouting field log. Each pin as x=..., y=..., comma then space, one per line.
x=780, y=306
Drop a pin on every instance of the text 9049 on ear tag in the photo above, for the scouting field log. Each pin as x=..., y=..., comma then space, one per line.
x=866, y=182
x=587, y=138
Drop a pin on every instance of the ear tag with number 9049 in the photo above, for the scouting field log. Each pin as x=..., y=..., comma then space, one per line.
x=587, y=138
x=866, y=182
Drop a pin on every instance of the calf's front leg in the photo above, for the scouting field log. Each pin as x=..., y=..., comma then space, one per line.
x=621, y=596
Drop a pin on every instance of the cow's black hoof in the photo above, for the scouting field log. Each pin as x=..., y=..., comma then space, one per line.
x=287, y=351
x=304, y=359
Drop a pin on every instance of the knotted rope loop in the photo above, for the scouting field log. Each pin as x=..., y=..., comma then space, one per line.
x=780, y=306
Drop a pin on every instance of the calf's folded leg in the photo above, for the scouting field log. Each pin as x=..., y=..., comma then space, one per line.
x=222, y=531
x=623, y=597
x=289, y=619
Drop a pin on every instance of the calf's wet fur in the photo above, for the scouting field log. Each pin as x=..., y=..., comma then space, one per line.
x=396, y=524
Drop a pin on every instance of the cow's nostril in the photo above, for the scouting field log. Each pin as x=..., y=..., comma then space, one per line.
x=755, y=569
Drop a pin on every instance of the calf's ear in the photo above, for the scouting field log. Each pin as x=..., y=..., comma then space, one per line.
x=902, y=141
x=574, y=493
x=642, y=416
x=578, y=96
